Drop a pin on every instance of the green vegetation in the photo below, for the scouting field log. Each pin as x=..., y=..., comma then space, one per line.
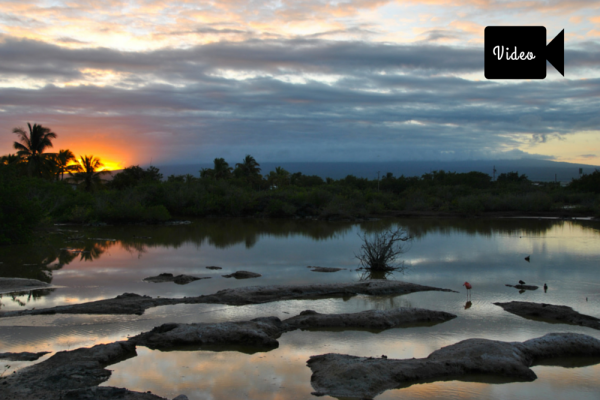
x=19, y=213
x=35, y=193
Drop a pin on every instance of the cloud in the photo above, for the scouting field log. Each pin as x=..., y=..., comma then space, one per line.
x=313, y=99
x=441, y=35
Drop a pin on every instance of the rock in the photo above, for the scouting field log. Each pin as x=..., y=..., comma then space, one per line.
x=264, y=332
x=130, y=303
x=68, y=370
x=126, y=303
x=550, y=312
x=524, y=287
x=24, y=356
x=325, y=269
x=259, y=332
x=213, y=267
x=8, y=285
x=179, y=279
x=340, y=375
x=181, y=397
x=108, y=393
x=266, y=294
x=371, y=319
x=242, y=275
x=76, y=374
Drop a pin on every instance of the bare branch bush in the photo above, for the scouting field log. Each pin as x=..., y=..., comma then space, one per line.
x=381, y=250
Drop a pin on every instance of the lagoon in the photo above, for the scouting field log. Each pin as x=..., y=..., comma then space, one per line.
x=488, y=253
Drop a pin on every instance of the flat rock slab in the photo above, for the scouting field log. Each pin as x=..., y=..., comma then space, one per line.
x=325, y=269
x=178, y=279
x=242, y=275
x=131, y=303
x=73, y=375
x=267, y=294
x=8, y=285
x=259, y=332
x=550, y=312
x=370, y=319
x=108, y=393
x=24, y=356
x=68, y=370
x=340, y=375
x=264, y=332
x=524, y=287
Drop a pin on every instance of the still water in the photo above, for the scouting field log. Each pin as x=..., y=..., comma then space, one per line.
x=444, y=253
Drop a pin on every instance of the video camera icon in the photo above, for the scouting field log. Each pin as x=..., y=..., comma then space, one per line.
x=520, y=52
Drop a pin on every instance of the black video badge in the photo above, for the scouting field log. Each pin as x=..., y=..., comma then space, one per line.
x=520, y=52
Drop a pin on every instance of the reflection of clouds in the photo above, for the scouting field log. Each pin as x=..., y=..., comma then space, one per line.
x=282, y=373
x=279, y=374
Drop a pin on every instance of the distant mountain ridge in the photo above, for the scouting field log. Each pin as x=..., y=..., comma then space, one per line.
x=536, y=170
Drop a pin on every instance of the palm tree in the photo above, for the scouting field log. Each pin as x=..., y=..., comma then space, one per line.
x=280, y=177
x=32, y=147
x=10, y=159
x=249, y=167
x=86, y=173
x=207, y=173
x=222, y=170
x=62, y=161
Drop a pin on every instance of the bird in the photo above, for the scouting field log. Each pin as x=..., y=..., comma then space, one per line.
x=521, y=282
x=468, y=286
x=527, y=258
x=545, y=288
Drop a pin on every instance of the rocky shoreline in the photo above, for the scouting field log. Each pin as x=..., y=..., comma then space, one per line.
x=130, y=303
x=263, y=332
x=76, y=374
x=341, y=375
x=550, y=313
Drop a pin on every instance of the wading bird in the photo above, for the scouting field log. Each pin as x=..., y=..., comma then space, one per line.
x=545, y=288
x=468, y=286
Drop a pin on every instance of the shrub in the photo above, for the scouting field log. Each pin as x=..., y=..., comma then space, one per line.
x=19, y=214
x=278, y=208
x=156, y=214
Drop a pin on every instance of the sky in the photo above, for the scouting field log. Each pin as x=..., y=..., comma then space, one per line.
x=178, y=82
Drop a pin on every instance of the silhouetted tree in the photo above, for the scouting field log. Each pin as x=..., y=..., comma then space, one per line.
x=135, y=175
x=62, y=161
x=587, y=182
x=87, y=174
x=11, y=159
x=221, y=169
x=248, y=168
x=380, y=251
x=512, y=177
x=32, y=147
x=280, y=177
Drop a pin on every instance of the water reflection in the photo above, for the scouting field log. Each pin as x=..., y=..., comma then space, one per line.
x=62, y=247
x=487, y=253
x=23, y=298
